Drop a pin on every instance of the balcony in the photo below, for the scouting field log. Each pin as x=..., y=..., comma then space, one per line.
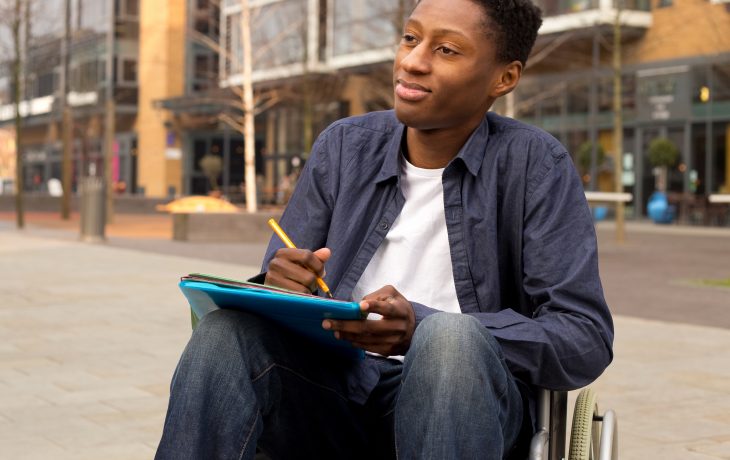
x=569, y=15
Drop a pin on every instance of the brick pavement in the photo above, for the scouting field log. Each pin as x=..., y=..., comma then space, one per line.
x=91, y=335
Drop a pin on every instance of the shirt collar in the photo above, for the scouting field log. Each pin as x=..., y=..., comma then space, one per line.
x=391, y=164
x=475, y=148
x=472, y=153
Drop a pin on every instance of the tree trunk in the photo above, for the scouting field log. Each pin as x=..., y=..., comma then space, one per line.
x=248, y=111
x=618, y=124
x=17, y=64
x=66, y=118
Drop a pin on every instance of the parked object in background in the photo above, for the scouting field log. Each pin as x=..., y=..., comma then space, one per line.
x=599, y=213
x=93, y=209
x=55, y=188
x=198, y=203
x=659, y=209
x=7, y=186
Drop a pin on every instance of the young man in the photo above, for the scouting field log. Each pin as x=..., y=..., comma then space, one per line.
x=468, y=233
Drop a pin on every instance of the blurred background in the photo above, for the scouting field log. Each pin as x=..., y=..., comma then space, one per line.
x=114, y=110
x=149, y=95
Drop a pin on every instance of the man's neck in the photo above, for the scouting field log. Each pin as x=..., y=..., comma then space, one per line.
x=434, y=149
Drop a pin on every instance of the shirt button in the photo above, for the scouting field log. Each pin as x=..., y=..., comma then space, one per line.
x=384, y=225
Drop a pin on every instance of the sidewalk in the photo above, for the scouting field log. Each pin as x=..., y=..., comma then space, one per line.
x=92, y=333
x=90, y=338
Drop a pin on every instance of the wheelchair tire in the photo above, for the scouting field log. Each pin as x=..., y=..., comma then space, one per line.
x=585, y=432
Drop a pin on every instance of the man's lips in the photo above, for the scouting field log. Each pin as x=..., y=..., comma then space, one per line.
x=411, y=92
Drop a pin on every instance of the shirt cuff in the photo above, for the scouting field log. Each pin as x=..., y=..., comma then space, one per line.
x=422, y=311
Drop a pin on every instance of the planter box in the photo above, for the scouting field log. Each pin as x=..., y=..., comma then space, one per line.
x=222, y=227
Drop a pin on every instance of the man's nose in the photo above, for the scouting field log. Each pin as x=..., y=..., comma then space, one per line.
x=417, y=60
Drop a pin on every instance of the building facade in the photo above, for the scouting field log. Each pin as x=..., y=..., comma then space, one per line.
x=304, y=79
x=315, y=61
x=675, y=75
x=102, y=66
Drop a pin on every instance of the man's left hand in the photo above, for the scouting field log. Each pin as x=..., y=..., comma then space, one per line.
x=388, y=336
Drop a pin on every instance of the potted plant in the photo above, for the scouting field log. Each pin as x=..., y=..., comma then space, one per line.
x=583, y=157
x=663, y=154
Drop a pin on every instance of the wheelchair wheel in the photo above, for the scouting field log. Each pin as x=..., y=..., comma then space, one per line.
x=585, y=433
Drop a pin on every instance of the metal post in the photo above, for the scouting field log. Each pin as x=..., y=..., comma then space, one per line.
x=686, y=156
x=639, y=172
x=709, y=157
x=226, y=185
x=110, y=121
x=93, y=200
x=618, y=125
x=593, y=116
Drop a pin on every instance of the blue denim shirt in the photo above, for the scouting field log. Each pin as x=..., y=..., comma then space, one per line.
x=523, y=246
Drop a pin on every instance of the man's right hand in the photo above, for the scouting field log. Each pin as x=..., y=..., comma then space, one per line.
x=297, y=269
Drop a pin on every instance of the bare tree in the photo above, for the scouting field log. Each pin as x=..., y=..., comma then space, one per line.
x=274, y=45
x=13, y=16
x=251, y=103
x=17, y=75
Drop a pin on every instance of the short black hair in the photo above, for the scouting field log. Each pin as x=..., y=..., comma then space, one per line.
x=515, y=23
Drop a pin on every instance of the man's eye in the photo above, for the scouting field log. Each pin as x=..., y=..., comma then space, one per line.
x=408, y=38
x=446, y=50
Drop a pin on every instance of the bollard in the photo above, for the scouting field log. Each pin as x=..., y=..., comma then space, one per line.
x=93, y=209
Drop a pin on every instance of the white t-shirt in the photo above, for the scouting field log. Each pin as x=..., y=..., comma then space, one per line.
x=414, y=257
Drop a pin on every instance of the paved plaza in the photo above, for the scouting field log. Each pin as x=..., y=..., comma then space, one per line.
x=90, y=335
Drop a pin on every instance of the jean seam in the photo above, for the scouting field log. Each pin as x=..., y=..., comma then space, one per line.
x=248, y=438
x=312, y=382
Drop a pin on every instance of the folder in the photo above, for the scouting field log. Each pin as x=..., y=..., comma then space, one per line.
x=301, y=313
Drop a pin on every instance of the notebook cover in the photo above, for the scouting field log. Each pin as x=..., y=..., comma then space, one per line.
x=302, y=313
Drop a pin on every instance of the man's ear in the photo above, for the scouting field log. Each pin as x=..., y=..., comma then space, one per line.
x=507, y=79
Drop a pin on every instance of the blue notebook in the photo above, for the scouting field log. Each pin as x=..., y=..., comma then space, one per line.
x=302, y=313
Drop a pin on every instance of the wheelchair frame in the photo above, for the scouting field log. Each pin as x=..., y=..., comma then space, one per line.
x=592, y=437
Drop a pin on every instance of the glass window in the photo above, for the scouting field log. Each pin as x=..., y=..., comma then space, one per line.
x=664, y=3
x=129, y=70
x=89, y=15
x=578, y=97
x=5, y=95
x=721, y=82
x=45, y=84
x=526, y=100
x=132, y=8
x=85, y=76
x=279, y=34
x=50, y=22
x=361, y=25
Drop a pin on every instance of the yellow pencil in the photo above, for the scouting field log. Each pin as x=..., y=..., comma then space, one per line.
x=290, y=244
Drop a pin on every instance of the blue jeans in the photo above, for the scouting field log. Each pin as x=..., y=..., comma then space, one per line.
x=243, y=382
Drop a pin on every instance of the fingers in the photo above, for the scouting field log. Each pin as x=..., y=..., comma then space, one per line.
x=390, y=335
x=323, y=254
x=389, y=307
x=296, y=269
x=384, y=336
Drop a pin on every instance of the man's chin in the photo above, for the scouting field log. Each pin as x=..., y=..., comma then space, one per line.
x=413, y=119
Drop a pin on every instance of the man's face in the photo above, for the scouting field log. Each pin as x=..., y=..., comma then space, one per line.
x=445, y=70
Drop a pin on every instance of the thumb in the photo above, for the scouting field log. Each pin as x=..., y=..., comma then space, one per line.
x=323, y=254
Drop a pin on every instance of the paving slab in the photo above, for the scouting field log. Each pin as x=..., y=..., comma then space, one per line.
x=92, y=333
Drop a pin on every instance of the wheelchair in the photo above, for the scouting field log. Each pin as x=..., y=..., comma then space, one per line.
x=592, y=436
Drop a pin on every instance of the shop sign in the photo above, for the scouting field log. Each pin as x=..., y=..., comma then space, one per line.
x=663, y=93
